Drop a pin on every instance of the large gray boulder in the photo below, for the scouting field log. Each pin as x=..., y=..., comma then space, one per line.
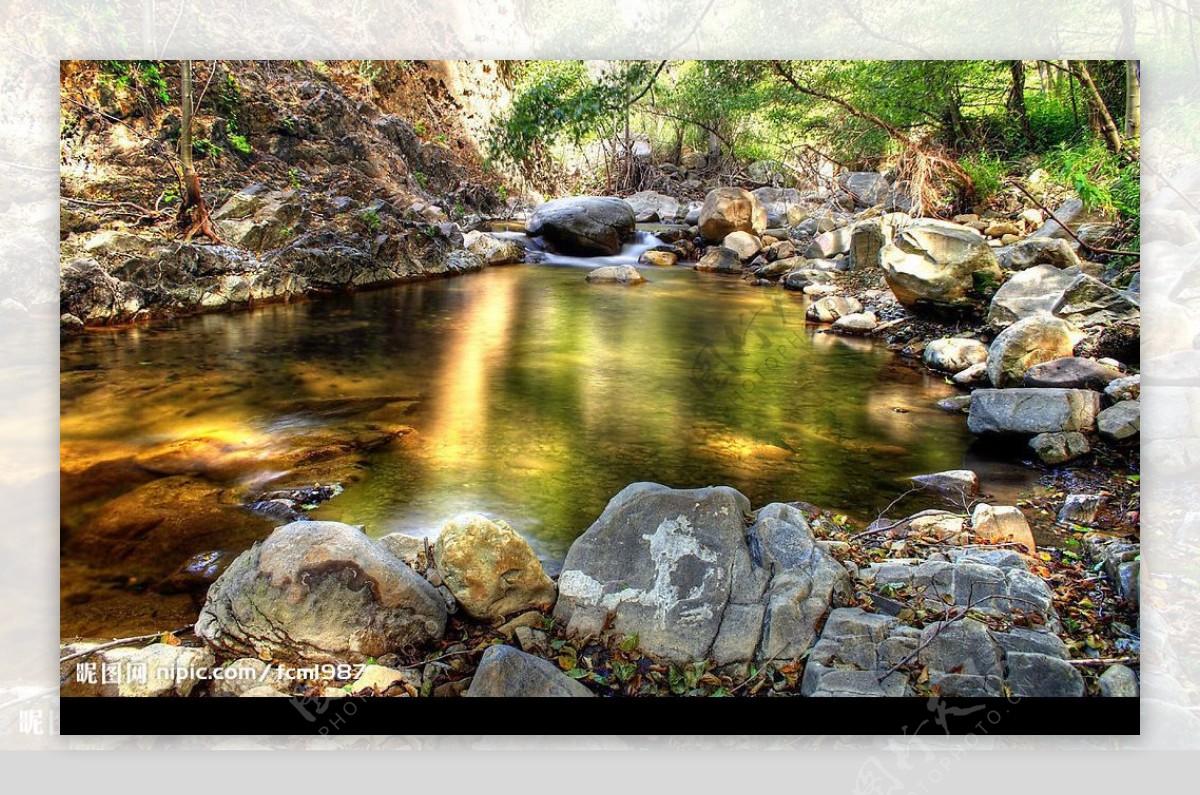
x=321, y=592
x=1030, y=292
x=585, y=226
x=783, y=206
x=1090, y=303
x=505, y=672
x=863, y=188
x=939, y=265
x=649, y=206
x=1032, y=411
x=1028, y=342
x=830, y=244
x=728, y=210
x=681, y=570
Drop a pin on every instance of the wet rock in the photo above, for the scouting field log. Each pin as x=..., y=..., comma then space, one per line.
x=319, y=591
x=1126, y=388
x=830, y=308
x=1058, y=448
x=616, y=274
x=1040, y=675
x=650, y=206
x=1120, y=421
x=1032, y=411
x=956, y=404
x=744, y=244
x=584, y=226
x=729, y=210
x=659, y=259
x=197, y=573
x=998, y=524
x=1032, y=252
x=856, y=323
x=1070, y=373
x=718, y=259
x=1079, y=509
x=954, y=354
x=505, y=672
x=1028, y=342
x=491, y=570
x=494, y=250
x=974, y=375
x=939, y=265
x=1030, y=292
x=953, y=483
x=1119, y=681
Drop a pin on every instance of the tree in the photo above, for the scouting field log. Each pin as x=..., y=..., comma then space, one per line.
x=1108, y=128
x=1133, y=99
x=193, y=215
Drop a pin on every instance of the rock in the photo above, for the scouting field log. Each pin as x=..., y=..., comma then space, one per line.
x=1032, y=410
x=1031, y=641
x=1001, y=228
x=1088, y=303
x=1042, y=675
x=409, y=549
x=847, y=660
x=491, y=570
x=494, y=250
x=649, y=206
x=1118, y=681
x=532, y=641
x=266, y=691
x=719, y=259
x=506, y=672
x=783, y=206
x=245, y=673
x=866, y=242
x=830, y=244
x=939, y=265
x=955, y=404
x=832, y=307
x=322, y=592
x=377, y=679
x=616, y=274
x=1120, y=420
x=94, y=296
x=864, y=188
x=258, y=218
x=1000, y=524
x=1126, y=388
x=585, y=226
x=659, y=259
x=1058, y=448
x=964, y=647
x=155, y=671
x=784, y=249
x=899, y=197
x=1030, y=292
x=729, y=210
x=1070, y=373
x=972, y=376
x=1032, y=252
x=955, y=483
x=801, y=278
x=1031, y=217
x=954, y=354
x=1073, y=214
x=856, y=323
x=1079, y=509
x=1036, y=339
x=744, y=244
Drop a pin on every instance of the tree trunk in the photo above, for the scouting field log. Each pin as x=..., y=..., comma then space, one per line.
x=193, y=212
x=1133, y=99
x=1016, y=100
x=1108, y=128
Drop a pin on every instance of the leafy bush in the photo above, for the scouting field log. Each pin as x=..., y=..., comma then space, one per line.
x=1101, y=179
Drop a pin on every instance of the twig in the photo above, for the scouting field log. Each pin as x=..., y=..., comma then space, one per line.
x=883, y=513
x=1103, y=661
x=121, y=642
x=443, y=657
x=1067, y=229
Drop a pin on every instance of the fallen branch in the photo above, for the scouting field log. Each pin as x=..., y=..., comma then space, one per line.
x=1067, y=229
x=121, y=642
x=1104, y=661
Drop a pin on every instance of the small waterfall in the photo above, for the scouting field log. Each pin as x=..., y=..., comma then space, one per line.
x=629, y=254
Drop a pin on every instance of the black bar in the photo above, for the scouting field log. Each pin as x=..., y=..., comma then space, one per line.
x=337, y=716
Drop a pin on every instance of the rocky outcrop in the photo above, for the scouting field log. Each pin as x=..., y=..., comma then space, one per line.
x=729, y=210
x=682, y=570
x=490, y=569
x=321, y=592
x=584, y=226
x=939, y=265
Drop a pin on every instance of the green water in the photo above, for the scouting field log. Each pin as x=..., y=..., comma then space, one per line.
x=535, y=396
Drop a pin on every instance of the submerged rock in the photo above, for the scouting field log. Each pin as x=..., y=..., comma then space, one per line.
x=954, y=483
x=491, y=570
x=322, y=592
x=616, y=274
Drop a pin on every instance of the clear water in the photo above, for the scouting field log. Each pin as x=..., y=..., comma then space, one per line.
x=534, y=395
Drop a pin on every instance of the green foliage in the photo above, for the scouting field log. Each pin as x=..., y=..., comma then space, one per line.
x=987, y=171
x=170, y=194
x=152, y=78
x=294, y=177
x=1101, y=179
x=239, y=143
x=422, y=180
x=146, y=75
x=371, y=220
x=419, y=128
x=202, y=147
